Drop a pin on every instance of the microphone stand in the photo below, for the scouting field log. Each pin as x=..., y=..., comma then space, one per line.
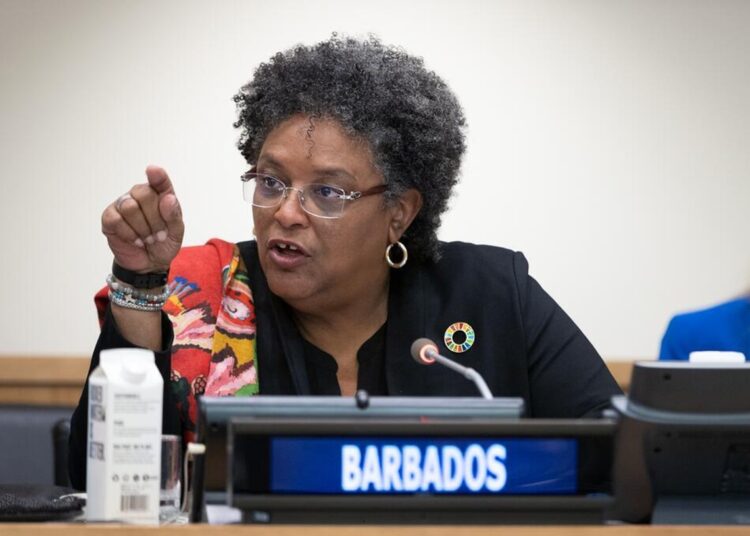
x=467, y=372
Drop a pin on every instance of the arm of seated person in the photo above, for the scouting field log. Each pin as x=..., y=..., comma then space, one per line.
x=567, y=376
x=673, y=343
x=143, y=329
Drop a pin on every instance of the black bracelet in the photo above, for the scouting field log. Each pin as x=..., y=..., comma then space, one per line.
x=136, y=280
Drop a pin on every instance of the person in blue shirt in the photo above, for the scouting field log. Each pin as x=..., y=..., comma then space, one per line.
x=724, y=327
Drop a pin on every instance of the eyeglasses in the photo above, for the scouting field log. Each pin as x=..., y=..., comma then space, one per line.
x=320, y=200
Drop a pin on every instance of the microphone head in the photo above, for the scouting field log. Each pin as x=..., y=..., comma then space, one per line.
x=419, y=349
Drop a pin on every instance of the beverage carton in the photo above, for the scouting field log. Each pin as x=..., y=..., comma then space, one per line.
x=124, y=437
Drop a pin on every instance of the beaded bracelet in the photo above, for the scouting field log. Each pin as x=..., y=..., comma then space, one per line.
x=131, y=298
x=130, y=303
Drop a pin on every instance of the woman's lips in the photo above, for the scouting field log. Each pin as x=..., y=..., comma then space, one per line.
x=286, y=255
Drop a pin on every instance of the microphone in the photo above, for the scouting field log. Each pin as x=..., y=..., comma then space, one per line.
x=425, y=352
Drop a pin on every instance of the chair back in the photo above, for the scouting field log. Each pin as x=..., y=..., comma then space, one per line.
x=32, y=448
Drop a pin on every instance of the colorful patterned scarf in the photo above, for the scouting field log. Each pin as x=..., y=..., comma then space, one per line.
x=213, y=317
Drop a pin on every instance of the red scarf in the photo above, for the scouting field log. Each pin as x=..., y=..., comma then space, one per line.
x=213, y=316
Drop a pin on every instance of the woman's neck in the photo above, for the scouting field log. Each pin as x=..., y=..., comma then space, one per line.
x=341, y=331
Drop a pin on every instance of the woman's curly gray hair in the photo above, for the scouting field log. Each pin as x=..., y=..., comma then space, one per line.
x=408, y=115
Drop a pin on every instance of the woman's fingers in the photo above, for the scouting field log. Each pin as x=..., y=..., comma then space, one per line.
x=131, y=211
x=159, y=180
x=144, y=227
x=171, y=213
x=115, y=227
x=148, y=202
x=122, y=240
x=153, y=216
x=159, y=206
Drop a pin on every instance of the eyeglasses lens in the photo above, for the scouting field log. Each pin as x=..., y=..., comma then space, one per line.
x=321, y=200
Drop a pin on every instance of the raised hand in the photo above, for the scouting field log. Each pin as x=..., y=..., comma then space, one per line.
x=144, y=227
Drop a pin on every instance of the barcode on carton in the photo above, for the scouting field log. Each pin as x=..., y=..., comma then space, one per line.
x=96, y=450
x=134, y=503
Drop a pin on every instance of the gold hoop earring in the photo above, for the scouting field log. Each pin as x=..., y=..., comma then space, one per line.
x=404, y=255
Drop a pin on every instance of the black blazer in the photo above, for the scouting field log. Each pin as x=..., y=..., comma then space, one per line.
x=525, y=344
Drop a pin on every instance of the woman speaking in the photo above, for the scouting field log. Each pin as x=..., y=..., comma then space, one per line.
x=353, y=150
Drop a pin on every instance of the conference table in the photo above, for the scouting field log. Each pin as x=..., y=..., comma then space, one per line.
x=61, y=529
x=65, y=529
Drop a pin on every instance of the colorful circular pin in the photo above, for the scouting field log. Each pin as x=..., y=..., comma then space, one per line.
x=459, y=337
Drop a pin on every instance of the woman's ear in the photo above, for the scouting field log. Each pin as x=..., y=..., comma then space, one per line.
x=404, y=210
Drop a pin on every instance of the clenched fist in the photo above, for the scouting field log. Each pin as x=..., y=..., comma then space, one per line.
x=144, y=227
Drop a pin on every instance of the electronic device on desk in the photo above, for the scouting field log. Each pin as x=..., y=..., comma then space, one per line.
x=682, y=453
x=408, y=460
x=381, y=471
x=215, y=413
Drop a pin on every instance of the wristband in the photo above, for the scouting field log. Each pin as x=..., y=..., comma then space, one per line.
x=136, y=280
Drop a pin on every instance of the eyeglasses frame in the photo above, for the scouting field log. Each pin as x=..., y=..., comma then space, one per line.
x=351, y=196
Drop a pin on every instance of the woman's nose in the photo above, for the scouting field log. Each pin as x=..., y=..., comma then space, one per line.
x=290, y=211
